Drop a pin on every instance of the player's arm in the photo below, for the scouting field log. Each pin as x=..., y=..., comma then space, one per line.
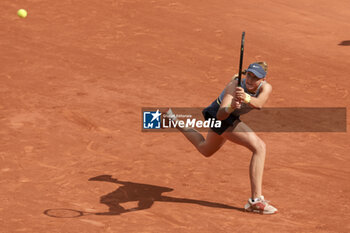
x=228, y=103
x=255, y=102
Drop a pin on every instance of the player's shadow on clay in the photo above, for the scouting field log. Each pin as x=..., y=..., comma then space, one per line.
x=145, y=195
x=345, y=43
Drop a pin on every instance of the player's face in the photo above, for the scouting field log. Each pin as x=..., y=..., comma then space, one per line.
x=252, y=82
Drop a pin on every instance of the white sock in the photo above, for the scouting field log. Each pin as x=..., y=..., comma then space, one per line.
x=258, y=199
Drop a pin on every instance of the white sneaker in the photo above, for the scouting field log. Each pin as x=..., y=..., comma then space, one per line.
x=260, y=205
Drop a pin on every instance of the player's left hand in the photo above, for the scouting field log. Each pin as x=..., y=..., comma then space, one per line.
x=237, y=104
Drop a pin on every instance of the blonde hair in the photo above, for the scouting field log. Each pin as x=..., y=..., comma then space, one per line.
x=263, y=64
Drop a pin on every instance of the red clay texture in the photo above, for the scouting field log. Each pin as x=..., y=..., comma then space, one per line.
x=75, y=74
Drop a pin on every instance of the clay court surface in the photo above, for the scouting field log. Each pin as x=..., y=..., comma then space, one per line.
x=75, y=75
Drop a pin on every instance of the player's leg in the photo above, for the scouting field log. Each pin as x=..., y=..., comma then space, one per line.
x=243, y=135
x=206, y=146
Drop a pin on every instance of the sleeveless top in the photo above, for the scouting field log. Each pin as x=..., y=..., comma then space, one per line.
x=245, y=108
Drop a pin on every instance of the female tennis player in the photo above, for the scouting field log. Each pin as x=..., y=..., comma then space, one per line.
x=231, y=103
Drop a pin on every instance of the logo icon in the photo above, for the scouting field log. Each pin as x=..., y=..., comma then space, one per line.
x=151, y=120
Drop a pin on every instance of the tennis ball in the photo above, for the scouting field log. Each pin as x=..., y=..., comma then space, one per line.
x=22, y=13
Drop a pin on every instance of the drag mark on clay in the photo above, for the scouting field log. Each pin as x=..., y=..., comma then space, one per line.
x=95, y=223
x=79, y=119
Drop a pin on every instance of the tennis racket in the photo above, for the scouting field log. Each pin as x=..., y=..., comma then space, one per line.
x=241, y=59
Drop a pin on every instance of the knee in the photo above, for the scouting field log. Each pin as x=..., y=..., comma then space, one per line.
x=207, y=154
x=259, y=146
x=262, y=145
